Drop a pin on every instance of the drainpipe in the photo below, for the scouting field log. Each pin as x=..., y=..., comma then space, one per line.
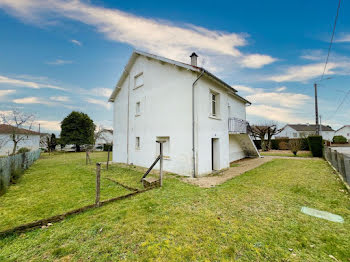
x=193, y=124
x=128, y=116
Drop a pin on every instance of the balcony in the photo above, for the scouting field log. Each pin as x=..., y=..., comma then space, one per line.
x=237, y=126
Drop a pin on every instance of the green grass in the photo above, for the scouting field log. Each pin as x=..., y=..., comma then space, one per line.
x=53, y=185
x=300, y=154
x=234, y=165
x=253, y=217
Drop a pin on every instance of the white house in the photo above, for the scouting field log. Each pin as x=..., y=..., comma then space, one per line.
x=304, y=130
x=105, y=137
x=201, y=118
x=344, y=131
x=28, y=138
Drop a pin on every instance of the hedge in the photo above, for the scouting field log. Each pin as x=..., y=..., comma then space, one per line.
x=316, y=145
x=282, y=143
x=339, y=140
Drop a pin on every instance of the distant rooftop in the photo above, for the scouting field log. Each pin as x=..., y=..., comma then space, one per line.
x=308, y=127
x=8, y=129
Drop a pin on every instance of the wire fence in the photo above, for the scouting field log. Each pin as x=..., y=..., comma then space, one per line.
x=12, y=167
x=340, y=161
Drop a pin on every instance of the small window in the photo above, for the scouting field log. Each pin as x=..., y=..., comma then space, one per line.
x=348, y=134
x=137, y=143
x=138, y=108
x=295, y=134
x=139, y=80
x=214, y=104
x=166, y=146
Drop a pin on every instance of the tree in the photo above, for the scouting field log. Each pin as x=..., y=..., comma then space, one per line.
x=78, y=129
x=49, y=142
x=17, y=121
x=294, y=145
x=264, y=133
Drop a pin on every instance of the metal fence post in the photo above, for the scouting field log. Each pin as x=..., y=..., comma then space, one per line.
x=98, y=176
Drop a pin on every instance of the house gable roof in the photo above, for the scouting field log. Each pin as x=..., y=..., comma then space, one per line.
x=192, y=68
x=306, y=127
x=343, y=127
x=8, y=129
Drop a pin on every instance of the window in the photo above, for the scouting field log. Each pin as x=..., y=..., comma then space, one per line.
x=138, y=108
x=348, y=134
x=295, y=134
x=137, y=143
x=213, y=104
x=166, y=146
x=138, y=80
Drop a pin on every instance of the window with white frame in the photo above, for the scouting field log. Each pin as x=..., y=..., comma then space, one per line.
x=138, y=80
x=138, y=109
x=214, y=104
x=166, y=146
x=295, y=134
x=137, y=142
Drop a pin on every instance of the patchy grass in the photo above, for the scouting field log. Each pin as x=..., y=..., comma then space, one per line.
x=253, y=217
x=286, y=153
x=234, y=165
x=54, y=184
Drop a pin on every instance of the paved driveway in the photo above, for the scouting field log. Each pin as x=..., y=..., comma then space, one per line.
x=343, y=150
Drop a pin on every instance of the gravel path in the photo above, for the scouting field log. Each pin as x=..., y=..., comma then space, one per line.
x=244, y=165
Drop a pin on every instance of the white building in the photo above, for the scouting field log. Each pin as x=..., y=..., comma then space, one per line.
x=201, y=118
x=304, y=130
x=344, y=131
x=28, y=138
x=105, y=137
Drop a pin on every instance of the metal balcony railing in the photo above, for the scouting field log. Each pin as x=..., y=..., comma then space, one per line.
x=237, y=126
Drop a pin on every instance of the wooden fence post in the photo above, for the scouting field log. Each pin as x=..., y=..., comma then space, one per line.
x=108, y=156
x=98, y=175
x=161, y=163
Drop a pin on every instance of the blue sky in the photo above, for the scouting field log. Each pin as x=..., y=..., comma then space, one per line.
x=57, y=56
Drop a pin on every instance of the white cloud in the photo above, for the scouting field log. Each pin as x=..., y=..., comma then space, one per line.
x=304, y=72
x=257, y=60
x=33, y=100
x=24, y=83
x=76, y=42
x=243, y=88
x=49, y=125
x=153, y=35
x=290, y=100
x=284, y=115
x=345, y=38
x=98, y=102
x=4, y=93
x=59, y=62
x=280, y=89
x=60, y=98
x=101, y=91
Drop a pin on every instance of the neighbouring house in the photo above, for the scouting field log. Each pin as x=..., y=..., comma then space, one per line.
x=344, y=131
x=304, y=130
x=201, y=118
x=28, y=138
x=105, y=137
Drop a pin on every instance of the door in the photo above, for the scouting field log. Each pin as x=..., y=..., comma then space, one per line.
x=215, y=154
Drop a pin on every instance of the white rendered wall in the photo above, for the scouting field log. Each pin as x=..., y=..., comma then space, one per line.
x=235, y=150
x=344, y=131
x=31, y=141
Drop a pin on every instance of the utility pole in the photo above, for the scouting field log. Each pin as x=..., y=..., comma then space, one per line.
x=316, y=111
x=321, y=124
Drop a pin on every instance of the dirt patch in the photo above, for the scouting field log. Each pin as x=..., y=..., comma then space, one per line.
x=239, y=167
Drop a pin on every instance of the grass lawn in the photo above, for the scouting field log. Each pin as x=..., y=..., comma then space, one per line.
x=53, y=185
x=253, y=217
x=286, y=153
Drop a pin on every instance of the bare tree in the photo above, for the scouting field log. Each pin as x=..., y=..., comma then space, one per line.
x=264, y=132
x=295, y=145
x=17, y=121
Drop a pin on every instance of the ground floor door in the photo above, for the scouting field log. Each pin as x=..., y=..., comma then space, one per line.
x=215, y=154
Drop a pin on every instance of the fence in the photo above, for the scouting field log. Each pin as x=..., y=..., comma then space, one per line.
x=340, y=161
x=12, y=167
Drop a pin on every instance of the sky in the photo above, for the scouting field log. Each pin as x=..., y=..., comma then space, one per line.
x=58, y=55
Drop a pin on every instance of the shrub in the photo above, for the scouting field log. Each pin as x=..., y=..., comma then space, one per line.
x=295, y=145
x=107, y=147
x=23, y=150
x=339, y=140
x=315, y=145
x=283, y=145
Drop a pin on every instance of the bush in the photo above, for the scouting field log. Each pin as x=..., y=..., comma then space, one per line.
x=23, y=150
x=107, y=147
x=295, y=145
x=315, y=145
x=283, y=145
x=339, y=140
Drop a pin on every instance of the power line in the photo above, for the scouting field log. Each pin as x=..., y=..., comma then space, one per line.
x=330, y=44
